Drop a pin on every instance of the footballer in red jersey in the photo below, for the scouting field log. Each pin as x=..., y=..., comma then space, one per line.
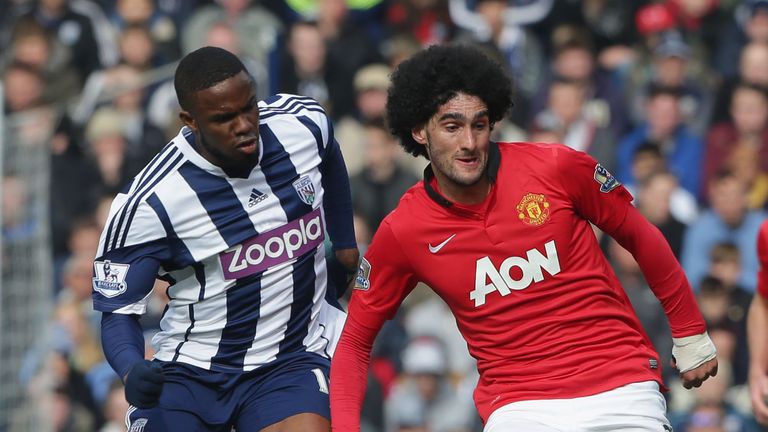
x=502, y=232
x=757, y=333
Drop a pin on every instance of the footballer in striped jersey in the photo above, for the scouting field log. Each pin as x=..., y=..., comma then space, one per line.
x=235, y=212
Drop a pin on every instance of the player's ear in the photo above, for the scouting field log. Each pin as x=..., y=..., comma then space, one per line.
x=188, y=120
x=419, y=134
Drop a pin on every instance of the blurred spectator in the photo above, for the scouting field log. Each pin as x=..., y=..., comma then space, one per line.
x=348, y=48
x=654, y=200
x=109, y=152
x=670, y=66
x=377, y=189
x=648, y=164
x=499, y=26
x=18, y=223
x=701, y=22
x=664, y=126
x=727, y=220
x=725, y=266
x=370, y=85
x=33, y=46
x=753, y=69
x=428, y=315
x=424, y=397
x=742, y=139
x=257, y=29
x=304, y=70
x=426, y=21
x=748, y=24
x=145, y=14
x=73, y=29
x=579, y=124
x=23, y=86
x=137, y=49
x=115, y=408
x=574, y=60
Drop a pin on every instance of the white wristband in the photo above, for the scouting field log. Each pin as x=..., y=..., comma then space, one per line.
x=691, y=352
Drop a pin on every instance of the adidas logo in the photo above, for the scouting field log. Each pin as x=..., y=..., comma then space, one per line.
x=256, y=197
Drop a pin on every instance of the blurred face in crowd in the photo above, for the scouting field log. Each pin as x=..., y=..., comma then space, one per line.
x=308, y=49
x=222, y=36
x=663, y=114
x=32, y=50
x=23, y=89
x=492, y=11
x=457, y=139
x=753, y=65
x=654, y=197
x=225, y=120
x=234, y=7
x=694, y=8
x=566, y=101
x=756, y=27
x=381, y=152
x=137, y=47
x=574, y=64
x=728, y=199
x=749, y=109
x=135, y=11
x=671, y=70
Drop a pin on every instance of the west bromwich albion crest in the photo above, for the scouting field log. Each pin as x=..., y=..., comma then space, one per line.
x=306, y=189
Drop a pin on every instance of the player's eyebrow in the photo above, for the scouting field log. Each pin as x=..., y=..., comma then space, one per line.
x=462, y=117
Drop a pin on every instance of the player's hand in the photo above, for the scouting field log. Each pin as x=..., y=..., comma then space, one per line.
x=695, y=377
x=758, y=392
x=695, y=357
x=144, y=383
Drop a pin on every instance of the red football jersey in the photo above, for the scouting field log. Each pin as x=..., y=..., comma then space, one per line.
x=533, y=295
x=762, y=254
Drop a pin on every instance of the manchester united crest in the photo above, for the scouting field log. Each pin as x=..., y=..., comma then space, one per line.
x=533, y=209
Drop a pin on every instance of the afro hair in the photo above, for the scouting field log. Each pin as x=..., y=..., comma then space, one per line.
x=432, y=77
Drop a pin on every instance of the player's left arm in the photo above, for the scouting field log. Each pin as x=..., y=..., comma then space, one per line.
x=337, y=205
x=602, y=200
x=757, y=323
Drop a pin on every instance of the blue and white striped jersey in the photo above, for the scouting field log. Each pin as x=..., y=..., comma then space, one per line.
x=245, y=256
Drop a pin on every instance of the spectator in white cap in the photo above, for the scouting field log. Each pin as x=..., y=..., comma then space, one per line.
x=425, y=397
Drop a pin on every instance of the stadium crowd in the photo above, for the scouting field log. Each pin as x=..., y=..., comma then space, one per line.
x=671, y=96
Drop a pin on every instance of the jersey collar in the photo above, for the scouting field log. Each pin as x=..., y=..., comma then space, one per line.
x=492, y=170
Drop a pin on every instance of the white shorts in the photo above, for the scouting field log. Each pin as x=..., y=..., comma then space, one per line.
x=632, y=408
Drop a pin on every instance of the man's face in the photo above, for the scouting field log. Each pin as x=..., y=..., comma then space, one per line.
x=225, y=119
x=457, y=139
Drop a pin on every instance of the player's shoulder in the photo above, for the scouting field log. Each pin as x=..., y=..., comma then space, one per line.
x=534, y=149
x=555, y=155
x=286, y=104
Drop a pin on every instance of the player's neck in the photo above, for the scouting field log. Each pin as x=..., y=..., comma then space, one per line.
x=462, y=194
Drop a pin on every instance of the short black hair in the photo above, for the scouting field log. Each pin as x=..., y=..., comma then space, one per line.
x=203, y=68
x=433, y=76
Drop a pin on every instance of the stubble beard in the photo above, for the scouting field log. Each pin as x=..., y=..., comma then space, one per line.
x=445, y=166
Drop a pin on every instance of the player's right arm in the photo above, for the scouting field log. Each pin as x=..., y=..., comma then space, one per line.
x=129, y=256
x=384, y=279
x=757, y=333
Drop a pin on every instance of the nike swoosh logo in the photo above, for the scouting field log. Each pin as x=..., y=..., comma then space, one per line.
x=436, y=249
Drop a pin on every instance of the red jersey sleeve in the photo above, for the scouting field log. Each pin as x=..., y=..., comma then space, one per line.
x=384, y=279
x=602, y=200
x=762, y=254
